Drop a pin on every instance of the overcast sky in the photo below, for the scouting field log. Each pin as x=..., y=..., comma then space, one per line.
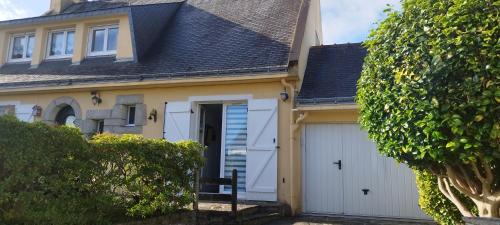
x=343, y=20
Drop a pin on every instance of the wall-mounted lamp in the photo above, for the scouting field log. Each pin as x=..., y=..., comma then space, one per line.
x=96, y=98
x=284, y=95
x=153, y=115
x=37, y=111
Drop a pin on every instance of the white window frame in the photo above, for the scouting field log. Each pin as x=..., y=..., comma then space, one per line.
x=49, y=43
x=25, y=50
x=128, y=115
x=105, y=46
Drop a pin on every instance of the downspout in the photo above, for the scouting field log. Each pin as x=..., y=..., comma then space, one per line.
x=294, y=127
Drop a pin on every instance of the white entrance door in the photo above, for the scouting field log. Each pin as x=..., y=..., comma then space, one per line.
x=366, y=184
x=262, y=156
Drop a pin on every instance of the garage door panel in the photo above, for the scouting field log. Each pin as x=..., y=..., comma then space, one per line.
x=323, y=172
x=392, y=188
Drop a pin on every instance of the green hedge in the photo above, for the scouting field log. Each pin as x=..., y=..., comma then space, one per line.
x=46, y=176
x=435, y=204
x=52, y=175
x=147, y=176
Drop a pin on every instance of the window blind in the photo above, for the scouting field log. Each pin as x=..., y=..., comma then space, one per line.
x=236, y=144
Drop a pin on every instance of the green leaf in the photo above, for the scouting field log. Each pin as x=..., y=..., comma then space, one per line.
x=478, y=118
x=451, y=144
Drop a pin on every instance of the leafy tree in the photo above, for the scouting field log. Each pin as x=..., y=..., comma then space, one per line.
x=429, y=95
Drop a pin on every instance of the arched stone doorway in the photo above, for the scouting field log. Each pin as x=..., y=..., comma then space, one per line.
x=66, y=116
x=63, y=111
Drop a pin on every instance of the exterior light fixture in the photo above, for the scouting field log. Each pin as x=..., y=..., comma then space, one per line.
x=96, y=98
x=37, y=111
x=284, y=95
x=153, y=115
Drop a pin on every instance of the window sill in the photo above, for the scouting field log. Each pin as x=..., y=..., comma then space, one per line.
x=18, y=61
x=129, y=125
x=99, y=54
x=55, y=58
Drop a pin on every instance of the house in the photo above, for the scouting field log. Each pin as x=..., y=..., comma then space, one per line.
x=250, y=79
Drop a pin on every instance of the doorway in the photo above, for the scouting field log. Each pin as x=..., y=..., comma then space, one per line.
x=210, y=136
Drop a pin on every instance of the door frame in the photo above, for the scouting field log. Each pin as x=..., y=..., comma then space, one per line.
x=225, y=100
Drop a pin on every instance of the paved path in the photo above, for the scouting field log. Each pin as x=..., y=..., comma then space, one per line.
x=345, y=221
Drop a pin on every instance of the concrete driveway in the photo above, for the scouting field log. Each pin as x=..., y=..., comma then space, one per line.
x=313, y=220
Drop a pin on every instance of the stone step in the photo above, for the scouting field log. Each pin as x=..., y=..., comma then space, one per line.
x=258, y=219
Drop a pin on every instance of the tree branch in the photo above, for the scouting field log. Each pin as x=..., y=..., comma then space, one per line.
x=485, y=181
x=444, y=187
x=470, y=182
x=477, y=173
x=489, y=174
x=453, y=179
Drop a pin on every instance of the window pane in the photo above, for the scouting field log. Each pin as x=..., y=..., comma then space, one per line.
x=236, y=144
x=70, y=42
x=131, y=115
x=112, y=38
x=18, y=48
x=98, y=41
x=56, y=44
x=31, y=46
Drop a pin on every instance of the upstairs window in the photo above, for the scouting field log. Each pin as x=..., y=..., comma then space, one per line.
x=21, y=47
x=103, y=40
x=61, y=44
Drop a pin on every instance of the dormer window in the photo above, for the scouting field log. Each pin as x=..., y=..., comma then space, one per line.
x=103, y=40
x=61, y=44
x=21, y=47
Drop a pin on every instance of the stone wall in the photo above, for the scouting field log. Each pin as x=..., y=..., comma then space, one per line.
x=115, y=119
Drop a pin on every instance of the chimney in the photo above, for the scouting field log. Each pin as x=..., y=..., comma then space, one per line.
x=57, y=6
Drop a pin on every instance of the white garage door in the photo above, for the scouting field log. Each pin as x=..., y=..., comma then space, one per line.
x=344, y=174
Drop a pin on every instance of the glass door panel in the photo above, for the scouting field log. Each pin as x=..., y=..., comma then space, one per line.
x=235, y=143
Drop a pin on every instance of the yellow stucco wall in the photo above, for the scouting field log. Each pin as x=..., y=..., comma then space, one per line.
x=155, y=98
x=81, y=27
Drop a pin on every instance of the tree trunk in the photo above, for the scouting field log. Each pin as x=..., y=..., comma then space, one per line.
x=491, y=210
x=476, y=181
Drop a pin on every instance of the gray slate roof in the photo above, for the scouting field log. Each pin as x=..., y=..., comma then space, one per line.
x=108, y=4
x=194, y=38
x=331, y=74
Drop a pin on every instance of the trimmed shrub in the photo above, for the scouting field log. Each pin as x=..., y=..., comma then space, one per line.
x=52, y=175
x=46, y=176
x=147, y=176
x=435, y=204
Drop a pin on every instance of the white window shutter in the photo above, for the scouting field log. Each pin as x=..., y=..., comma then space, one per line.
x=25, y=112
x=177, y=121
x=262, y=153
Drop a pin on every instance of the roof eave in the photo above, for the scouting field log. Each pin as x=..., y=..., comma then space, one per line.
x=127, y=84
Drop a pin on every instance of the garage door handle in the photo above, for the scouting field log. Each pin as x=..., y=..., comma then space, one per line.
x=339, y=163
